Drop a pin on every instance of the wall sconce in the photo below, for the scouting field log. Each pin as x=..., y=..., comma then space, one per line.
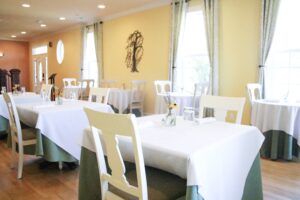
x=1, y=54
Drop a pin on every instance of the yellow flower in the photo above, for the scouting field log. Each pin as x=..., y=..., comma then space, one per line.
x=172, y=106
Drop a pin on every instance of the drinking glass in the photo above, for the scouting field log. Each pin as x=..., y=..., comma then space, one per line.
x=3, y=89
x=188, y=114
x=23, y=90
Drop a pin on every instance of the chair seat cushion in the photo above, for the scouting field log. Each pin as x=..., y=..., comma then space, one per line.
x=161, y=185
x=29, y=133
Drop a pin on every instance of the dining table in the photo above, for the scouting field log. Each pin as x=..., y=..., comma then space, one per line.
x=19, y=98
x=120, y=98
x=182, y=100
x=218, y=160
x=59, y=126
x=279, y=121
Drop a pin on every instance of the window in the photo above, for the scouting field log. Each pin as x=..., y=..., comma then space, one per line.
x=283, y=64
x=60, y=51
x=193, y=60
x=90, y=67
x=39, y=50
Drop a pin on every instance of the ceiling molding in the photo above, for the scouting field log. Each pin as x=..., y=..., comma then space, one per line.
x=136, y=10
x=13, y=39
x=69, y=28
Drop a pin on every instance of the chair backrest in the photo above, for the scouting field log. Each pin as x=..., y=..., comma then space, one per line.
x=69, y=82
x=229, y=109
x=137, y=91
x=108, y=126
x=85, y=85
x=254, y=91
x=108, y=83
x=46, y=90
x=14, y=121
x=162, y=87
x=199, y=90
x=100, y=94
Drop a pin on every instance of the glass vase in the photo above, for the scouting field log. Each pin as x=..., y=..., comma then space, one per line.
x=170, y=118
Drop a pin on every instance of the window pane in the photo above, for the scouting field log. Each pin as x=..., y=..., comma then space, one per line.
x=283, y=64
x=90, y=68
x=193, y=61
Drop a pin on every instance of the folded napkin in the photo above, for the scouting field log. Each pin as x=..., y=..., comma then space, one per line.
x=205, y=120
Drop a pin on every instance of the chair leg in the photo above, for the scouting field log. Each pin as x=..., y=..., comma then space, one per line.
x=13, y=154
x=60, y=165
x=20, y=162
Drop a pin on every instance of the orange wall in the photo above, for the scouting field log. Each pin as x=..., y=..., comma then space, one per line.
x=16, y=55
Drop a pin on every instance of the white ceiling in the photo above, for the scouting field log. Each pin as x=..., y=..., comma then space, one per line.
x=14, y=18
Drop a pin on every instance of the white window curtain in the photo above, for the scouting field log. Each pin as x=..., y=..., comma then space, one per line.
x=91, y=66
x=179, y=9
x=268, y=23
x=211, y=16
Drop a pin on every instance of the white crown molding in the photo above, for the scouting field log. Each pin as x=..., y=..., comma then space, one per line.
x=13, y=39
x=137, y=10
x=69, y=28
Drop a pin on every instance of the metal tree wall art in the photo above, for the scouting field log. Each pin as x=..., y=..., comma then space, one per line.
x=135, y=50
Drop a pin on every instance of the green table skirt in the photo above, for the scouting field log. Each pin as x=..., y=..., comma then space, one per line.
x=89, y=182
x=3, y=125
x=44, y=147
x=279, y=145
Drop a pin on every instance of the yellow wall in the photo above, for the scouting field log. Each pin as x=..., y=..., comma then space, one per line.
x=70, y=67
x=154, y=26
x=238, y=47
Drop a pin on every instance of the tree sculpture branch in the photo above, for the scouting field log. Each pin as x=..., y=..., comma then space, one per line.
x=135, y=50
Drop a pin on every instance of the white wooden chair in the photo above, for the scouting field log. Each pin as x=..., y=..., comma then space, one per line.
x=108, y=83
x=22, y=137
x=120, y=184
x=85, y=86
x=137, y=96
x=46, y=91
x=100, y=94
x=69, y=82
x=162, y=87
x=254, y=91
x=229, y=109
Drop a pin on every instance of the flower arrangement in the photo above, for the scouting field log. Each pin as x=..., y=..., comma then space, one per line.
x=170, y=118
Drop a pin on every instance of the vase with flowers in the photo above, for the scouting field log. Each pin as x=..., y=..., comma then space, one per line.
x=170, y=117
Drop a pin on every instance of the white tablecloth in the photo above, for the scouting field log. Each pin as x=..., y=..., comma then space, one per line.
x=28, y=97
x=62, y=124
x=277, y=115
x=120, y=98
x=182, y=100
x=216, y=156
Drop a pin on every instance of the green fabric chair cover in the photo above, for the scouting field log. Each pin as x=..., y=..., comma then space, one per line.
x=89, y=182
x=279, y=145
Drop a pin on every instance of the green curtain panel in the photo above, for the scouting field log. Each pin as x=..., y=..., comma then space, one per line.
x=89, y=182
x=98, y=40
x=268, y=22
x=211, y=16
x=279, y=145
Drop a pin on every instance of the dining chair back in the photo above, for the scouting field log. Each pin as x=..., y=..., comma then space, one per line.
x=100, y=94
x=46, y=91
x=229, y=109
x=137, y=96
x=254, y=91
x=162, y=86
x=69, y=82
x=110, y=126
x=108, y=83
x=18, y=136
x=85, y=86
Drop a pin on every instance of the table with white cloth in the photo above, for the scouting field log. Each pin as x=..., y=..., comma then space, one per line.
x=120, y=98
x=60, y=125
x=279, y=121
x=22, y=98
x=218, y=160
x=181, y=99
